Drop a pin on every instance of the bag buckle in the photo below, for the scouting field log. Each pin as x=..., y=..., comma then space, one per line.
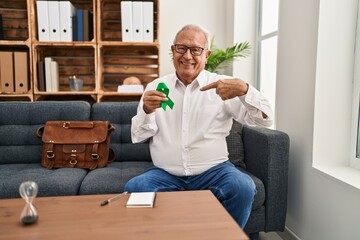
x=66, y=124
x=73, y=160
x=95, y=156
x=50, y=154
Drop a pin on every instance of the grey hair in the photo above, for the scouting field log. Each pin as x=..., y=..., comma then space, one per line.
x=197, y=28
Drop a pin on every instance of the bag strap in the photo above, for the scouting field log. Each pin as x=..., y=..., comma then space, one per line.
x=111, y=128
x=95, y=155
x=112, y=155
x=40, y=132
x=50, y=155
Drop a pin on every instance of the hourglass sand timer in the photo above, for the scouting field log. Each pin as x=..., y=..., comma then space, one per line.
x=28, y=191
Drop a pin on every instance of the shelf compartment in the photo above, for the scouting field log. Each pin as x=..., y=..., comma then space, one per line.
x=72, y=60
x=15, y=23
x=89, y=5
x=110, y=20
x=119, y=62
x=24, y=92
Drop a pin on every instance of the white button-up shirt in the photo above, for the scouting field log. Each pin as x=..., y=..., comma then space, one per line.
x=190, y=138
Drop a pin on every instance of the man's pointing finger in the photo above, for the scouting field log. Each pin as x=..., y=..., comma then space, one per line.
x=209, y=86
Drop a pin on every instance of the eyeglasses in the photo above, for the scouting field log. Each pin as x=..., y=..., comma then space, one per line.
x=195, y=51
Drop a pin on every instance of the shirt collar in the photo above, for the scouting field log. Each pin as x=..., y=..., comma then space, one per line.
x=201, y=79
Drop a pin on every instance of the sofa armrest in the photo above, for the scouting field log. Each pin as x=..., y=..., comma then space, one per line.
x=267, y=157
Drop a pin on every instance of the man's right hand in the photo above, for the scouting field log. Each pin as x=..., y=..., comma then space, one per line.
x=152, y=100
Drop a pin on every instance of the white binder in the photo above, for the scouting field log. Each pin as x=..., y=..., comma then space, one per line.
x=148, y=21
x=42, y=20
x=48, y=82
x=54, y=21
x=67, y=11
x=137, y=11
x=126, y=21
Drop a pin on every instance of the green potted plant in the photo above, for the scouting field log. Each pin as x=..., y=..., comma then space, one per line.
x=220, y=58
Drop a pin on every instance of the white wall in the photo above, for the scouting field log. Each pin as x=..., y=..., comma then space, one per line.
x=319, y=207
x=244, y=30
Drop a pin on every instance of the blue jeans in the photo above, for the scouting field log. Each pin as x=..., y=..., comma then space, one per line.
x=234, y=189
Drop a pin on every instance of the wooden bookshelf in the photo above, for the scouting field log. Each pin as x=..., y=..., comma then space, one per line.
x=118, y=60
x=15, y=36
x=103, y=62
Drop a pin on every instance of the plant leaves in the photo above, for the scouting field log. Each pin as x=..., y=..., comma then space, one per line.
x=221, y=58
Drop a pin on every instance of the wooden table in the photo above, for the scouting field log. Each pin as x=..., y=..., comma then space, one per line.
x=176, y=215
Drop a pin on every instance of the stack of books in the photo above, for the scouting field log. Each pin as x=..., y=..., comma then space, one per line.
x=48, y=75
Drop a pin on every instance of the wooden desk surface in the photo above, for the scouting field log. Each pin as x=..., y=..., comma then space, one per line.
x=176, y=215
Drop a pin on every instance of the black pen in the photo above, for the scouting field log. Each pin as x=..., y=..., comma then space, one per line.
x=113, y=198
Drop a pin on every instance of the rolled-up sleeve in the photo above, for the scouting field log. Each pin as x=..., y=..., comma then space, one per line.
x=253, y=104
x=143, y=126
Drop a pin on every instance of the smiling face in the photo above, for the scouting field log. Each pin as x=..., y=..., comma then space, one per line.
x=188, y=66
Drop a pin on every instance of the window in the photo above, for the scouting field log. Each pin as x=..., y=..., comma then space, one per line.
x=355, y=149
x=333, y=99
x=267, y=48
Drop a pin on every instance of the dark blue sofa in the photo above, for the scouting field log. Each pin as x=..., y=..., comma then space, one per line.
x=262, y=153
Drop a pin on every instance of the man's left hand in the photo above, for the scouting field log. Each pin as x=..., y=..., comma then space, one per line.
x=228, y=88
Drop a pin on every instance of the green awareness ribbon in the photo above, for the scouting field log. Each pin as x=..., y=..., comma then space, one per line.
x=161, y=87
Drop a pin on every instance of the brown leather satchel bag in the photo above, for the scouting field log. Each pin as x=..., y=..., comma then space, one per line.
x=80, y=144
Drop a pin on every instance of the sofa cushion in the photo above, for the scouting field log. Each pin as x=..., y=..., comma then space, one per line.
x=20, y=120
x=120, y=114
x=259, y=199
x=115, y=175
x=235, y=145
x=55, y=182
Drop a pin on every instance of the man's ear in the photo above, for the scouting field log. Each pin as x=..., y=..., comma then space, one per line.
x=208, y=53
x=172, y=51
